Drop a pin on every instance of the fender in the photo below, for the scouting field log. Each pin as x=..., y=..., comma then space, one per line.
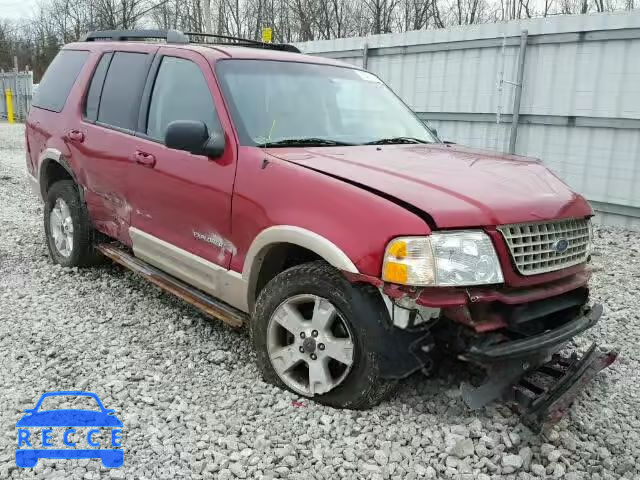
x=54, y=155
x=301, y=237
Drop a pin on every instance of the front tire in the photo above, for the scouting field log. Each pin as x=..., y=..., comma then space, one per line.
x=309, y=339
x=69, y=233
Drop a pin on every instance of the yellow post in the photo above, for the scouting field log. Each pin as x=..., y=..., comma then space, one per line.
x=9, y=95
x=267, y=34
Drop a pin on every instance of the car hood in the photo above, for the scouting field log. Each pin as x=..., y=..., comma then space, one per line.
x=69, y=418
x=456, y=186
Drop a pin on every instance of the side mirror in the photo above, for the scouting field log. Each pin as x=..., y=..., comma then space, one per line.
x=435, y=131
x=30, y=410
x=193, y=136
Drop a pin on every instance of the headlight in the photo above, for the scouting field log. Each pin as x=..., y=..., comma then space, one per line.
x=442, y=259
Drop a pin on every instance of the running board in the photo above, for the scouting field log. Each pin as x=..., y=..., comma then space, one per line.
x=203, y=302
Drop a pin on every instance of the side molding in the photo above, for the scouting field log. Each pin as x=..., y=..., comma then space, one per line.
x=198, y=272
x=227, y=285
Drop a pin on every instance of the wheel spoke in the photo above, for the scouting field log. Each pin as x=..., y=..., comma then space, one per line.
x=56, y=217
x=340, y=349
x=64, y=210
x=323, y=313
x=290, y=318
x=320, y=380
x=285, y=358
x=69, y=244
x=59, y=241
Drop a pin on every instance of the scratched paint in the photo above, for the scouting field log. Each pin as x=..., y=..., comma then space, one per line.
x=143, y=214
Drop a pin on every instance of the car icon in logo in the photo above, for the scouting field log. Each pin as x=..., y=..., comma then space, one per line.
x=561, y=245
x=70, y=419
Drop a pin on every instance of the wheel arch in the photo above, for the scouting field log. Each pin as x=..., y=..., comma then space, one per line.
x=54, y=167
x=280, y=247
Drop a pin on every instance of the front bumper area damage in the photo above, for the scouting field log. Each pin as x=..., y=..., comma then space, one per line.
x=516, y=336
x=530, y=372
x=548, y=406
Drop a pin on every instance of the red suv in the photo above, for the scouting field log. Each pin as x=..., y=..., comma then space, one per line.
x=300, y=196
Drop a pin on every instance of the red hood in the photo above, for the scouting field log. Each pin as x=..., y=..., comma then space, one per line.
x=456, y=186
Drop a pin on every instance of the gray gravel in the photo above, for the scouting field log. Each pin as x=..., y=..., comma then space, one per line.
x=194, y=406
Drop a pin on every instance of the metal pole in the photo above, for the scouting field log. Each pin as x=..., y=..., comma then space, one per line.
x=365, y=55
x=9, y=96
x=518, y=93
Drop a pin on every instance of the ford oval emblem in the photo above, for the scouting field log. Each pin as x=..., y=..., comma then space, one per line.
x=561, y=246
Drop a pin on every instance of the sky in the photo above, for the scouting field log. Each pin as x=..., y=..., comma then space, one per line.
x=16, y=9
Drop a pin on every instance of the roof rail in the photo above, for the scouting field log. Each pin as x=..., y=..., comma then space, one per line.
x=170, y=36
x=176, y=36
x=243, y=42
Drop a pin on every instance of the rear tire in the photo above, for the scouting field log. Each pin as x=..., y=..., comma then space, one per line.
x=68, y=230
x=359, y=385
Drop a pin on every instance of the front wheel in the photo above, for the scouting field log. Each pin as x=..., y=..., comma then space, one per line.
x=309, y=338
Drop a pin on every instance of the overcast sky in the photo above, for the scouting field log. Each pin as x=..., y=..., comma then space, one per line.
x=16, y=9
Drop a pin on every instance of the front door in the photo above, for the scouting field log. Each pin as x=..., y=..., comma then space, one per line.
x=181, y=203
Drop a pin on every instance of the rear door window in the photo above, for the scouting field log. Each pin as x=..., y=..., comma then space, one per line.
x=95, y=89
x=180, y=92
x=57, y=82
x=122, y=89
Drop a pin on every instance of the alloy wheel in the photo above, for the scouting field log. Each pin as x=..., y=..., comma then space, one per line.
x=61, y=226
x=310, y=344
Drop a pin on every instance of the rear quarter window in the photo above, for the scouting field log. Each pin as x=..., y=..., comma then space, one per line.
x=58, y=80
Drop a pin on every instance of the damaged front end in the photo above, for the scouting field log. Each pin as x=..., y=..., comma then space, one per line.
x=517, y=337
x=531, y=372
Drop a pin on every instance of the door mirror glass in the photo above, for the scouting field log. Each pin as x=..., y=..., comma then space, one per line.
x=193, y=136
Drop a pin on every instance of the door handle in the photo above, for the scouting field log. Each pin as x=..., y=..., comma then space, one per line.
x=145, y=159
x=75, y=136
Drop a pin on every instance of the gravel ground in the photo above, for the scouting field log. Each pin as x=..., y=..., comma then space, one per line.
x=193, y=405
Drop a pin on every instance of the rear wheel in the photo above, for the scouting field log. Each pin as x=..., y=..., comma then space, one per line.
x=70, y=235
x=309, y=339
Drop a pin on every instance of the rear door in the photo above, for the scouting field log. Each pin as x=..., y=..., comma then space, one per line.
x=180, y=202
x=105, y=136
x=46, y=123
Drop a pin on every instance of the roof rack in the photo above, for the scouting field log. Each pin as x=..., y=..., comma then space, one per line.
x=176, y=36
x=170, y=36
x=243, y=42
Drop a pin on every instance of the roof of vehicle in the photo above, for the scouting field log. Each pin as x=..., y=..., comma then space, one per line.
x=215, y=52
x=214, y=48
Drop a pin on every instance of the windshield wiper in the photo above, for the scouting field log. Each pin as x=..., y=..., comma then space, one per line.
x=396, y=140
x=305, y=142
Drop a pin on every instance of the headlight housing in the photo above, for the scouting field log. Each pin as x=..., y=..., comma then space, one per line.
x=443, y=259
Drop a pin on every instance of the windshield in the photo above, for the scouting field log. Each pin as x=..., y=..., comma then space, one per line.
x=278, y=103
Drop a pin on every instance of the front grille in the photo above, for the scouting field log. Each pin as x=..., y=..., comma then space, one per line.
x=534, y=246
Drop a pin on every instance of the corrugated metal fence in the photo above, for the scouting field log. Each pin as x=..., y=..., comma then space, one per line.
x=580, y=101
x=21, y=85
